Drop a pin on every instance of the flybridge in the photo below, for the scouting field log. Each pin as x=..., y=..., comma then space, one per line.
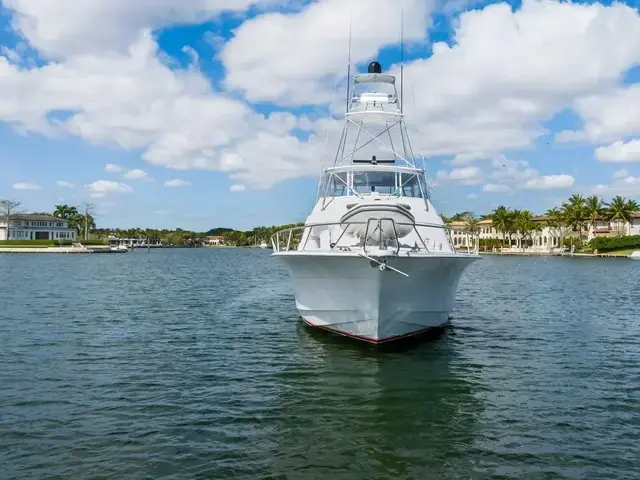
x=374, y=132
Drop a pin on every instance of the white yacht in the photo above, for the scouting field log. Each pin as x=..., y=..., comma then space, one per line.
x=374, y=260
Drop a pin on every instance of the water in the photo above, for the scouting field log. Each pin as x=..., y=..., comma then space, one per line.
x=192, y=364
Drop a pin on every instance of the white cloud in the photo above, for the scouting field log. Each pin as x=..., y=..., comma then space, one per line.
x=472, y=196
x=620, y=174
x=620, y=151
x=26, y=186
x=549, y=182
x=238, y=188
x=504, y=72
x=508, y=70
x=466, y=158
x=162, y=212
x=627, y=187
x=465, y=175
x=112, y=168
x=496, y=188
x=607, y=116
x=65, y=27
x=64, y=184
x=136, y=174
x=101, y=188
x=136, y=102
x=12, y=55
x=278, y=57
x=176, y=183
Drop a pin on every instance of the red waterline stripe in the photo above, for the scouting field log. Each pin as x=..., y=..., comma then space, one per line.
x=365, y=339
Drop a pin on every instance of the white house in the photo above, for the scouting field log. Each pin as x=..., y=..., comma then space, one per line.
x=215, y=240
x=547, y=238
x=37, y=227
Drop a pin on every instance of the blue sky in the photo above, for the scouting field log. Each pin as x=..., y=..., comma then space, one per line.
x=519, y=104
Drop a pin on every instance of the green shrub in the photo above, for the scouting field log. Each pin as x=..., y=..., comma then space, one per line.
x=34, y=243
x=576, y=242
x=487, y=244
x=607, y=244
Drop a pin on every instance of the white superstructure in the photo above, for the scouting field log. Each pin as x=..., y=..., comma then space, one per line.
x=374, y=260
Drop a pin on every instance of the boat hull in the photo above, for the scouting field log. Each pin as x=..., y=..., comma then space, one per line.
x=352, y=296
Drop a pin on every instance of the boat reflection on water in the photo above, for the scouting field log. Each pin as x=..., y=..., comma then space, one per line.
x=363, y=412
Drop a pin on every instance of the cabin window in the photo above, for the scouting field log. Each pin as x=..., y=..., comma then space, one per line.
x=335, y=185
x=381, y=182
x=410, y=185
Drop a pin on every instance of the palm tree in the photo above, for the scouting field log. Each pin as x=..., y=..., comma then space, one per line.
x=555, y=220
x=525, y=225
x=513, y=229
x=574, y=213
x=472, y=224
x=501, y=219
x=621, y=210
x=65, y=211
x=594, y=208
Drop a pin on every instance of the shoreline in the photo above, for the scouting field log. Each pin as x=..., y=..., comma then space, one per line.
x=546, y=254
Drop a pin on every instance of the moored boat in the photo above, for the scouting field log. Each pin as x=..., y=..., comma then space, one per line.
x=374, y=260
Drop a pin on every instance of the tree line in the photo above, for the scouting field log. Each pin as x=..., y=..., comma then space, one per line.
x=82, y=219
x=576, y=215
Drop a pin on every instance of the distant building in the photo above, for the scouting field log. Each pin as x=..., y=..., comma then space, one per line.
x=37, y=227
x=137, y=242
x=215, y=240
x=547, y=237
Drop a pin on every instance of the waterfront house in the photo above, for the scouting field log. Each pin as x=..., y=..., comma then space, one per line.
x=215, y=240
x=37, y=227
x=546, y=238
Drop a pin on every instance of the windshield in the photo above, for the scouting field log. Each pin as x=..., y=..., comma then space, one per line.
x=381, y=182
x=365, y=182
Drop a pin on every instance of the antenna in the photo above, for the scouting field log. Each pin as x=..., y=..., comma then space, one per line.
x=402, y=62
x=349, y=67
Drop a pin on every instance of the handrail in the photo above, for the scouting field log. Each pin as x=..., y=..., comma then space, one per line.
x=287, y=239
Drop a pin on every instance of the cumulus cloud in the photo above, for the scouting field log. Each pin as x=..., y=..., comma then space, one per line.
x=135, y=101
x=136, y=174
x=620, y=151
x=26, y=186
x=620, y=174
x=65, y=184
x=112, y=168
x=607, y=116
x=278, y=57
x=496, y=188
x=549, y=182
x=465, y=175
x=504, y=72
x=176, y=183
x=238, y=188
x=628, y=186
x=508, y=70
x=64, y=27
x=102, y=188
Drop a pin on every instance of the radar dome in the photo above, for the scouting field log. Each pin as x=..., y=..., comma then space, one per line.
x=375, y=67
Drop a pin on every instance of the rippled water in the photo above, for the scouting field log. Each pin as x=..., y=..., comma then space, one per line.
x=192, y=364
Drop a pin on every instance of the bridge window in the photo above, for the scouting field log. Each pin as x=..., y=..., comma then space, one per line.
x=381, y=182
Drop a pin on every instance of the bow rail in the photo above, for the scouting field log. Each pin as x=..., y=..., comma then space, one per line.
x=380, y=234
